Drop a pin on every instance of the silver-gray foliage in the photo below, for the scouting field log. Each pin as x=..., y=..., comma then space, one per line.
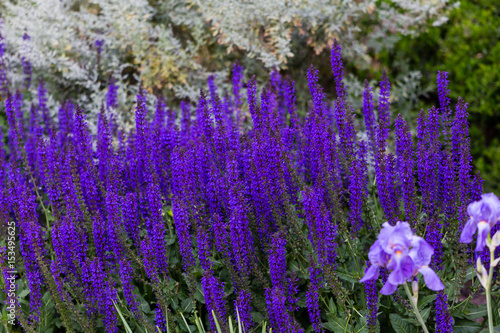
x=166, y=44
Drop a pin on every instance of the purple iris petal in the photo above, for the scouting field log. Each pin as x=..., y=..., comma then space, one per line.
x=487, y=209
x=371, y=274
x=395, y=238
x=469, y=230
x=431, y=279
x=422, y=252
x=403, y=272
x=377, y=255
x=484, y=214
x=388, y=288
x=482, y=233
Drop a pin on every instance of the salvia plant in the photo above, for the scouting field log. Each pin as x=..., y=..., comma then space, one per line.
x=237, y=207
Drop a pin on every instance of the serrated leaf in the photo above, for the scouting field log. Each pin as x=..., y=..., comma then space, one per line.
x=347, y=276
x=400, y=325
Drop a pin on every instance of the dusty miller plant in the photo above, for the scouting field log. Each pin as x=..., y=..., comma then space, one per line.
x=171, y=47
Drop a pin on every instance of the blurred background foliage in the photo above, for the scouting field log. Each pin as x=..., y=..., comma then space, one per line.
x=468, y=48
x=172, y=46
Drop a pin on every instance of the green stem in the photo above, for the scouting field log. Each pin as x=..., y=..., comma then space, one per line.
x=415, y=307
x=488, y=290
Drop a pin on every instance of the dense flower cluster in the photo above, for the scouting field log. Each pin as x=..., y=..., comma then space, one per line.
x=444, y=320
x=241, y=179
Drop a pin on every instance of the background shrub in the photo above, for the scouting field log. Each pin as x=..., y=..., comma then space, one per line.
x=467, y=46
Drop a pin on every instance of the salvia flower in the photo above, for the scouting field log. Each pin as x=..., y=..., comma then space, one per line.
x=444, y=321
x=371, y=301
x=484, y=214
x=277, y=261
x=213, y=291
x=242, y=303
x=26, y=64
x=404, y=255
x=2, y=45
x=126, y=272
x=160, y=319
x=98, y=44
x=112, y=94
x=312, y=299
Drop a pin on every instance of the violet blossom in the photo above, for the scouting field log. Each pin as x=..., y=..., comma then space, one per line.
x=404, y=255
x=484, y=214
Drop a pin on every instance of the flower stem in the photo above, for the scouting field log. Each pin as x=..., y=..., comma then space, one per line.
x=415, y=308
x=488, y=290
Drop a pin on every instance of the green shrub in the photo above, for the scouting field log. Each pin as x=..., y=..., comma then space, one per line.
x=468, y=47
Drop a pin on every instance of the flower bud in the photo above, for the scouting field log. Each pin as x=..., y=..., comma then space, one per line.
x=495, y=241
x=482, y=275
x=414, y=287
x=496, y=261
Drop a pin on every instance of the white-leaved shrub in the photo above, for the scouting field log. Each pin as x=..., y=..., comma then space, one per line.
x=265, y=28
x=171, y=46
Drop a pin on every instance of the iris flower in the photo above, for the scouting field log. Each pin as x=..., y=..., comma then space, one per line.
x=483, y=215
x=404, y=255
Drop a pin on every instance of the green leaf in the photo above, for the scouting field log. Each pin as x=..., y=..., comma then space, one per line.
x=231, y=329
x=144, y=304
x=216, y=322
x=361, y=326
x=425, y=313
x=344, y=275
x=257, y=317
x=466, y=326
x=401, y=325
x=334, y=327
x=426, y=300
x=187, y=305
x=166, y=319
x=337, y=324
x=332, y=307
x=171, y=240
x=198, y=322
x=199, y=296
x=477, y=312
x=23, y=293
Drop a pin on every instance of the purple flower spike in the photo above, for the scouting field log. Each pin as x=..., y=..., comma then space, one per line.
x=404, y=255
x=484, y=214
